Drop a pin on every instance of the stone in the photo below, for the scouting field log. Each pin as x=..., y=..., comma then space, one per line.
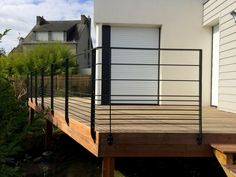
x=38, y=159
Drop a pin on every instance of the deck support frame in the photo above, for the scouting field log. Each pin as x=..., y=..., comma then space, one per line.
x=31, y=115
x=108, y=167
x=48, y=135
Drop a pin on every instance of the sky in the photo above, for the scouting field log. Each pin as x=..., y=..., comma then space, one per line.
x=20, y=16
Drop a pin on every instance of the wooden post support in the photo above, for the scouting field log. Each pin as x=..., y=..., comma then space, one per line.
x=31, y=115
x=108, y=167
x=48, y=135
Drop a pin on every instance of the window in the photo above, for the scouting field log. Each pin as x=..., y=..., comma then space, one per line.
x=57, y=36
x=41, y=36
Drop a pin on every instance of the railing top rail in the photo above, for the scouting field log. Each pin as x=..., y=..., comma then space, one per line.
x=147, y=48
x=121, y=48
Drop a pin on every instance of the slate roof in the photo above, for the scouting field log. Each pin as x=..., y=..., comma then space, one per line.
x=56, y=26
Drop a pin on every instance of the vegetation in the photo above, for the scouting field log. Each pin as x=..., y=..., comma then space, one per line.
x=2, y=51
x=41, y=55
x=16, y=135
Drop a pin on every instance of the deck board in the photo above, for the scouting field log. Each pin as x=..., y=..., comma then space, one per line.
x=138, y=130
x=130, y=118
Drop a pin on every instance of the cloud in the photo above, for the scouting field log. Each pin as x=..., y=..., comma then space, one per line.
x=20, y=15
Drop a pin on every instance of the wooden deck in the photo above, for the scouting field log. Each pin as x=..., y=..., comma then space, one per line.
x=142, y=130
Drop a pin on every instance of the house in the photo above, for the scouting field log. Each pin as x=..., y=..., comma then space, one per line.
x=73, y=33
x=163, y=83
x=156, y=24
x=165, y=24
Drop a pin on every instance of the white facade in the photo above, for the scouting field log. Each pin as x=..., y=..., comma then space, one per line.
x=180, y=23
x=218, y=12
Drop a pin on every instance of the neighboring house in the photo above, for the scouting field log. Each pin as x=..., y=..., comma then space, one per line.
x=74, y=33
x=168, y=24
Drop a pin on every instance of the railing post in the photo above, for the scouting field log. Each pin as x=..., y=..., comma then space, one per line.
x=27, y=87
x=66, y=89
x=36, y=88
x=199, y=138
x=52, y=87
x=31, y=86
x=110, y=137
x=42, y=88
x=92, y=116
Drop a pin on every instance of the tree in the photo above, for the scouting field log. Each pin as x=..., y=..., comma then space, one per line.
x=2, y=51
x=3, y=34
x=41, y=55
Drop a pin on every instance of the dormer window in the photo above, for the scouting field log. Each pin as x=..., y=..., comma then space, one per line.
x=50, y=36
x=41, y=36
x=57, y=36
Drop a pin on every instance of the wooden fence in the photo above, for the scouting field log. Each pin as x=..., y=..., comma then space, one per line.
x=79, y=85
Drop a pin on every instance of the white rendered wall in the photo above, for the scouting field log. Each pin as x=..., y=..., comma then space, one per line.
x=181, y=27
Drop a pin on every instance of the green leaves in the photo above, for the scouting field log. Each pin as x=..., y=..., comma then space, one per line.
x=4, y=33
x=38, y=56
x=2, y=51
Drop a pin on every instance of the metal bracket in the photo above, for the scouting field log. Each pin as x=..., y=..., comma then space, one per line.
x=199, y=139
x=110, y=139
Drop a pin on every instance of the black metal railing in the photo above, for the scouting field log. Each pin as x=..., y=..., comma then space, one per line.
x=141, y=86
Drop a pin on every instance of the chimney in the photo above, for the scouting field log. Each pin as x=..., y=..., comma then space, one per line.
x=83, y=19
x=21, y=40
x=40, y=20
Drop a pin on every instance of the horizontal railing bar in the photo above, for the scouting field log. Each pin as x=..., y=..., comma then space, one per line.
x=115, y=109
x=149, y=119
x=194, y=96
x=59, y=99
x=79, y=100
x=150, y=100
x=81, y=97
x=177, y=105
x=166, y=80
x=146, y=64
x=140, y=48
x=152, y=114
x=81, y=93
x=61, y=62
x=155, y=123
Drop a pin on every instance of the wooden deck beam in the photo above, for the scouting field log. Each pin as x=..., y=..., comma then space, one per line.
x=156, y=150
